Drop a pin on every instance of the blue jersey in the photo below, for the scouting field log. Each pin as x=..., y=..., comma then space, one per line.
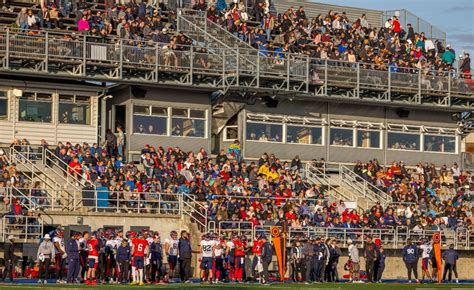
x=410, y=253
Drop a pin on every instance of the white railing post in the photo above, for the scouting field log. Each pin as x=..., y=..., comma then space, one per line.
x=159, y=203
x=117, y=203
x=138, y=204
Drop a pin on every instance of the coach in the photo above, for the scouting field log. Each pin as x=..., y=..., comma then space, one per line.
x=72, y=250
x=185, y=254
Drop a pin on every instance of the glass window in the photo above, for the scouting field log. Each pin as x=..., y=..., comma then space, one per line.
x=149, y=125
x=188, y=127
x=197, y=114
x=435, y=143
x=35, y=109
x=74, y=110
x=159, y=111
x=3, y=106
x=180, y=112
x=231, y=133
x=403, y=141
x=368, y=139
x=303, y=135
x=264, y=132
x=142, y=110
x=342, y=137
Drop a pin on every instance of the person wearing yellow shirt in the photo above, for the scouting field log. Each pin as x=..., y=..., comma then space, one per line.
x=273, y=174
x=264, y=169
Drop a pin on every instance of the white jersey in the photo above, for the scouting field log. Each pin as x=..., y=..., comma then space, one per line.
x=60, y=242
x=149, y=240
x=206, y=248
x=112, y=244
x=219, y=250
x=173, y=250
x=426, y=251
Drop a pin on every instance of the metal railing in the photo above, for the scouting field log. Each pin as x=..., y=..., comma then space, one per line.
x=337, y=190
x=65, y=196
x=100, y=200
x=419, y=25
x=226, y=68
x=22, y=228
x=62, y=169
x=196, y=210
x=239, y=227
x=366, y=188
x=391, y=238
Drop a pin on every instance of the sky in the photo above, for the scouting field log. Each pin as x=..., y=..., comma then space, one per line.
x=455, y=17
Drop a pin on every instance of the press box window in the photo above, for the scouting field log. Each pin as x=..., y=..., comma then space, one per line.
x=150, y=120
x=264, y=132
x=188, y=123
x=36, y=107
x=342, y=137
x=304, y=135
x=445, y=144
x=368, y=139
x=403, y=141
x=75, y=110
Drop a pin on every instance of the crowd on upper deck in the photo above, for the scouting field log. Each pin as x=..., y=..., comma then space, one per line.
x=332, y=36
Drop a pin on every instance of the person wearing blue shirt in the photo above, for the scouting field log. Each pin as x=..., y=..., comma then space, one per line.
x=450, y=258
x=124, y=255
x=410, y=257
x=156, y=250
x=72, y=251
x=381, y=266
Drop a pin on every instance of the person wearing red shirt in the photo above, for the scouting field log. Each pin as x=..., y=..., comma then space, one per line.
x=240, y=245
x=75, y=168
x=396, y=25
x=139, y=248
x=257, y=251
x=92, y=258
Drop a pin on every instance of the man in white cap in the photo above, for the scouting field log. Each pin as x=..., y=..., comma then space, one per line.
x=45, y=253
x=355, y=261
x=8, y=255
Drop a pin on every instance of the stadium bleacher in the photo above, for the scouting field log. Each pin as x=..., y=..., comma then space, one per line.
x=226, y=193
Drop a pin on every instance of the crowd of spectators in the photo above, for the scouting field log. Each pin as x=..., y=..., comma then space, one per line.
x=267, y=191
x=332, y=36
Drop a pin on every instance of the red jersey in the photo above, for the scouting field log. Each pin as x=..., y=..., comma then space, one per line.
x=93, y=248
x=257, y=247
x=239, y=252
x=139, y=247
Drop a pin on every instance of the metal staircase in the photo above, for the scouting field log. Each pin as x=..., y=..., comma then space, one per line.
x=368, y=190
x=63, y=194
x=335, y=189
x=255, y=69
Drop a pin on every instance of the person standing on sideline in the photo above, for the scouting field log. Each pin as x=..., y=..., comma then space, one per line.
x=72, y=250
x=308, y=253
x=185, y=254
x=266, y=258
x=354, y=261
x=450, y=258
x=45, y=253
x=381, y=265
x=120, y=141
x=334, y=255
x=9, y=257
x=426, y=249
x=410, y=257
x=370, y=254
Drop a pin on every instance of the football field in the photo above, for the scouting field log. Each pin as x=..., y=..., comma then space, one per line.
x=196, y=286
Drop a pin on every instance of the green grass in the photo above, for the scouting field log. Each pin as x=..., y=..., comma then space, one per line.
x=336, y=286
